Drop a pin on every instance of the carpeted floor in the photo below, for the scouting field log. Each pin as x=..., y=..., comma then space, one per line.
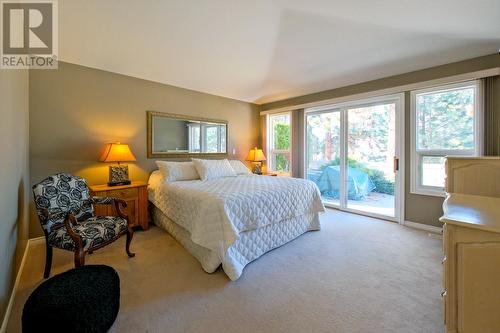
x=355, y=275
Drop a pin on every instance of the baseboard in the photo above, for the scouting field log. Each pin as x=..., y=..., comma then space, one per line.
x=425, y=227
x=6, y=316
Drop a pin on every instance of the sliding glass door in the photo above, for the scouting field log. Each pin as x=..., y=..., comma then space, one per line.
x=323, y=156
x=352, y=154
x=371, y=150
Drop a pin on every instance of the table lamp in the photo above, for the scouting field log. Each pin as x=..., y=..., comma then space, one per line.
x=256, y=156
x=118, y=152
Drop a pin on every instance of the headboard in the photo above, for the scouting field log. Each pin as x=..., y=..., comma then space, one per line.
x=473, y=175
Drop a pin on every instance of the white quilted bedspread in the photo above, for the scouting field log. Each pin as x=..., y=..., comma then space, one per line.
x=216, y=211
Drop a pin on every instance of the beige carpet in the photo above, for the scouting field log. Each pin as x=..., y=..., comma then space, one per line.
x=355, y=275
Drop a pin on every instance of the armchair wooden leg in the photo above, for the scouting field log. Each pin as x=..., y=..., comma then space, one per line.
x=130, y=234
x=79, y=258
x=48, y=260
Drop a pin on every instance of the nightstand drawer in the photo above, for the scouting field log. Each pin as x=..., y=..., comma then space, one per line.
x=131, y=211
x=136, y=197
x=126, y=193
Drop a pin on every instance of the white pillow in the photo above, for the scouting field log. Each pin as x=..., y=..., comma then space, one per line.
x=155, y=179
x=212, y=169
x=174, y=171
x=239, y=167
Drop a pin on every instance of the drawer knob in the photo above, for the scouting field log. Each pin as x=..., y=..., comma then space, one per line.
x=443, y=294
x=443, y=260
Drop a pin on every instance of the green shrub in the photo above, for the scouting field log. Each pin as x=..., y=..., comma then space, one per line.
x=382, y=184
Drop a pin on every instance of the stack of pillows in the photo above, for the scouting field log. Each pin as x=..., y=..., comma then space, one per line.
x=201, y=169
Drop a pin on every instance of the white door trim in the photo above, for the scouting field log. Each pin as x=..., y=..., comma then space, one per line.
x=400, y=151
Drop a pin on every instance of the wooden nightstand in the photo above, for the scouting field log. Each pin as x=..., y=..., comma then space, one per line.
x=136, y=196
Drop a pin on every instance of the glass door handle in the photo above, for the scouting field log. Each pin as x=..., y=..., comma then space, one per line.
x=396, y=164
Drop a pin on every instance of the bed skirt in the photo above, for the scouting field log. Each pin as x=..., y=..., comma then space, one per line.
x=249, y=246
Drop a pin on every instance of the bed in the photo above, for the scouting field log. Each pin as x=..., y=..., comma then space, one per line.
x=232, y=221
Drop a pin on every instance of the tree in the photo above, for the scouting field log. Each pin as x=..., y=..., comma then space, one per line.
x=446, y=120
x=282, y=142
x=282, y=132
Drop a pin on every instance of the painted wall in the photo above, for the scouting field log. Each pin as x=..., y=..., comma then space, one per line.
x=14, y=173
x=456, y=68
x=418, y=208
x=76, y=110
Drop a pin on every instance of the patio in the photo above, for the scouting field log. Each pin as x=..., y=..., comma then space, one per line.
x=376, y=203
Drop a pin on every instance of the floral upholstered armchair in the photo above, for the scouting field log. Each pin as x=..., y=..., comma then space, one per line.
x=66, y=212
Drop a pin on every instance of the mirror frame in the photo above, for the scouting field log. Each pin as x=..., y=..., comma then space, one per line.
x=151, y=154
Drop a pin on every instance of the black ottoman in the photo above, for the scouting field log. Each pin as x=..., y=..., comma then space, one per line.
x=84, y=299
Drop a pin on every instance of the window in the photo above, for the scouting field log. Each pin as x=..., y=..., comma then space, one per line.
x=213, y=138
x=279, y=143
x=207, y=138
x=445, y=121
x=194, y=137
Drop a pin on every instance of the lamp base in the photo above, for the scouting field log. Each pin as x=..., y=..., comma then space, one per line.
x=123, y=182
x=257, y=168
x=118, y=175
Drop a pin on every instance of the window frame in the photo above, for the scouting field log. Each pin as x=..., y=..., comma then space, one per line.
x=270, y=144
x=416, y=156
x=192, y=143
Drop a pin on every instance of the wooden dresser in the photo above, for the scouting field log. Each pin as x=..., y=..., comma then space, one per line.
x=136, y=196
x=471, y=244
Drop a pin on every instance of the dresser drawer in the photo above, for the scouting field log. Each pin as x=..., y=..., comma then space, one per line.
x=126, y=193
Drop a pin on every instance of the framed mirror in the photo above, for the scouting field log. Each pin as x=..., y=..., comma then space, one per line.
x=174, y=135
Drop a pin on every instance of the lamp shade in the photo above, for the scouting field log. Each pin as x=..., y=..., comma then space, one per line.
x=117, y=152
x=256, y=155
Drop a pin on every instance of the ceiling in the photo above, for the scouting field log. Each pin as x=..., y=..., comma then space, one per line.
x=266, y=50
